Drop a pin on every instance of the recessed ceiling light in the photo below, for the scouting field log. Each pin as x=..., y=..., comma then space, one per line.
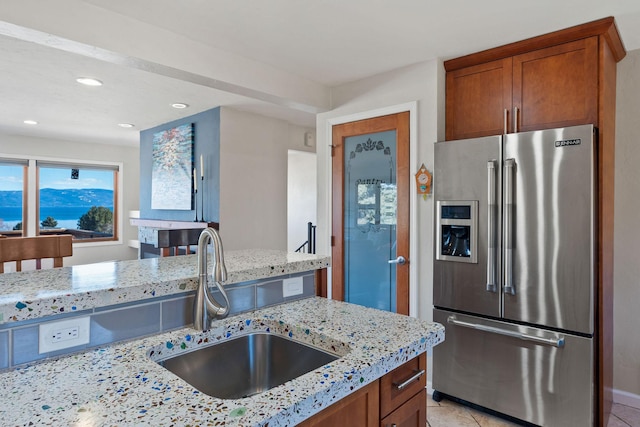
x=30, y=122
x=89, y=81
x=125, y=125
x=179, y=105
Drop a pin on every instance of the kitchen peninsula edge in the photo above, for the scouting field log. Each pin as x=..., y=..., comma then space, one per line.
x=37, y=294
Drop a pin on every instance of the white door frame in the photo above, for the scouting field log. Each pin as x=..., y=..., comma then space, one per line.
x=412, y=108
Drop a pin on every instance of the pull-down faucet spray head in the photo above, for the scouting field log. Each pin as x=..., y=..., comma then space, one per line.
x=205, y=307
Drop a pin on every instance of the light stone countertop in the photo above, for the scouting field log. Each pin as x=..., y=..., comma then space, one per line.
x=120, y=384
x=35, y=294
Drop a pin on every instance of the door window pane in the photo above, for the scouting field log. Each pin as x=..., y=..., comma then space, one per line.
x=370, y=220
x=77, y=201
x=11, y=199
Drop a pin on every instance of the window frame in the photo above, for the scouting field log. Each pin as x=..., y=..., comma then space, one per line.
x=14, y=161
x=31, y=194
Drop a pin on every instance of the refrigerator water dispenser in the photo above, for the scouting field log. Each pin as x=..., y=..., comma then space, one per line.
x=457, y=225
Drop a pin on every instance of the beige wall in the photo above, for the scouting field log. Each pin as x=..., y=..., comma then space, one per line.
x=626, y=339
x=130, y=176
x=253, y=179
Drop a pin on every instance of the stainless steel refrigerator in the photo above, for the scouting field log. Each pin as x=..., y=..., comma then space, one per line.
x=515, y=273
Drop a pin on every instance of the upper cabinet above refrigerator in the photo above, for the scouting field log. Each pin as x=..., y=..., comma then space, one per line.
x=543, y=89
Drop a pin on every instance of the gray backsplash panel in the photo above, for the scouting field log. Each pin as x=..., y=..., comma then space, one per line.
x=269, y=293
x=177, y=312
x=19, y=341
x=125, y=323
x=4, y=349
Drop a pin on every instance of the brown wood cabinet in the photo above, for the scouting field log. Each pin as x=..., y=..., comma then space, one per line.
x=543, y=89
x=478, y=100
x=397, y=398
x=559, y=79
x=556, y=86
x=359, y=409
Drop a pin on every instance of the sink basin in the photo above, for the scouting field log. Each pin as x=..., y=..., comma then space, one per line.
x=246, y=365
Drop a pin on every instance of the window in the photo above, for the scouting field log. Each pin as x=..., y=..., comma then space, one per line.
x=12, y=196
x=80, y=199
x=377, y=202
x=77, y=199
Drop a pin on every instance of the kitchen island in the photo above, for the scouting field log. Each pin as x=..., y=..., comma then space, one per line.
x=120, y=382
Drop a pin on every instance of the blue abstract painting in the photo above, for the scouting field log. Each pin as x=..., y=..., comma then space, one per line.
x=171, y=176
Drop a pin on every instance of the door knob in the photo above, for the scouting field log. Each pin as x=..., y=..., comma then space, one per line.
x=400, y=260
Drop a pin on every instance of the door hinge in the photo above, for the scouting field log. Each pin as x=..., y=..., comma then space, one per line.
x=333, y=147
x=333, y=241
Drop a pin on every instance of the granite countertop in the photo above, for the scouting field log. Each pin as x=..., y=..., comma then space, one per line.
x=34, y=294
x=121, y=385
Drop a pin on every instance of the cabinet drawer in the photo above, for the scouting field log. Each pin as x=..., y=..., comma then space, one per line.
x=395, y=387
x=411, y=414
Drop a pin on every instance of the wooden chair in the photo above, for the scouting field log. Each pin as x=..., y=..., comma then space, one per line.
x=20, y=249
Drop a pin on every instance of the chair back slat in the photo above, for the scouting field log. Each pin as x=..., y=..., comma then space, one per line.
x=40, y=247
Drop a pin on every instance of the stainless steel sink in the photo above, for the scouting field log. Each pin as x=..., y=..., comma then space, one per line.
x=246, y=365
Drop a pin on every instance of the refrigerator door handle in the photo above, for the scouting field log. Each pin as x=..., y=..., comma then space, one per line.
x=506, y=121
x=509, y=165
x=555, y=342
x=491, y=229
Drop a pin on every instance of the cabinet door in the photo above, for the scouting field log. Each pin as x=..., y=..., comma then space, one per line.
x=360, y=409
x=412, y=414
x=477, y=100
x=557, y=86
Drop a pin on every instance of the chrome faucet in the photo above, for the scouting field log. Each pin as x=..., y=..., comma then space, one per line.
x=205, y=307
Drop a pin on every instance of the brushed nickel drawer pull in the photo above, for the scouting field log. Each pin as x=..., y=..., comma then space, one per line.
x=410, y=380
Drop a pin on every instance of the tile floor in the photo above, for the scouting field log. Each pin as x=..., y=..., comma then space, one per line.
x=450, y=414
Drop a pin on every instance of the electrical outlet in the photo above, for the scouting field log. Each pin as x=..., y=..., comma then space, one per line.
x=291, y=286
x=63, y=334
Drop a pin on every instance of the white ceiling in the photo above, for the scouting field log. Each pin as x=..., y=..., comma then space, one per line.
x=330, y=42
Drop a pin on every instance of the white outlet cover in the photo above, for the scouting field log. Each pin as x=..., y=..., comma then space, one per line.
x=48, y=330
x=291, y=286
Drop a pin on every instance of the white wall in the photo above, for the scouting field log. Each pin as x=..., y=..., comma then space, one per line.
x=301, y=196
x=86, y=253
x=253, y=179
x=424, y=83
x=626, y=339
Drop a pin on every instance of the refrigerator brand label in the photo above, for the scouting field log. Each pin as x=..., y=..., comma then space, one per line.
x=566, y=142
